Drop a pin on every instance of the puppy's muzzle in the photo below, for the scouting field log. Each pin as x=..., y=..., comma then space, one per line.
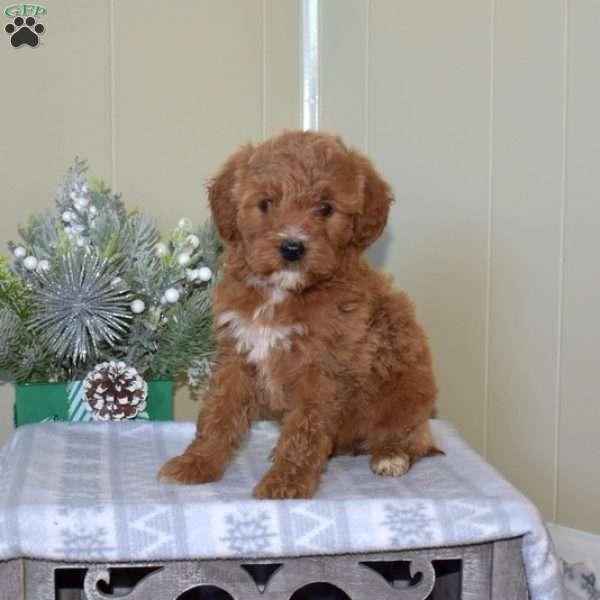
x=292, y=250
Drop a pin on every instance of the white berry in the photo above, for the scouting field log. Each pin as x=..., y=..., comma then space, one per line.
x=67, y=216
x=19, y=252
x=191, y=274
x=204, y=274
x=80, y=204
x=184, y=223
x=172, y=295
x=43, y=265
x=30, y=263
x=137, y=306
x=160, y=249
x=93, y=211
x=193, y=240
x=184, y=258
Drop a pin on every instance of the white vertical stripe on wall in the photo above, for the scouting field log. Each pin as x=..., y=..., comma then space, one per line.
x=113, y=108
x=264, y=69
x=311, y=79
x=579, y=435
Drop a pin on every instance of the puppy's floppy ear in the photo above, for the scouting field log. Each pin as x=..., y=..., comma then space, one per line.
x=220, y=195
x=377, y=198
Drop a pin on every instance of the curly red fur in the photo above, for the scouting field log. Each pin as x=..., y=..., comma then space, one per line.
x=324, y=342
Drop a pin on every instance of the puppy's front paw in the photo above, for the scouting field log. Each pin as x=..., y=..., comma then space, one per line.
x=188, y=469
x=277, y=485
x=391, y=466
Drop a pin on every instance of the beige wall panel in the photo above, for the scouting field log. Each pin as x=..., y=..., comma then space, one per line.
x=283, y=93
x=579, y=440
x=527, y=163
x=343, y=43
x=188, y=91
x=428, y=101
x=55, y=104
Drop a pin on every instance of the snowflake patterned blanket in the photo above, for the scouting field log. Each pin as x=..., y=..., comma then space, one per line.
x=89, y=492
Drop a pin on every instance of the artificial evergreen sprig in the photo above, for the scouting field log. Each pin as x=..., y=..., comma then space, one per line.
x=90, y=281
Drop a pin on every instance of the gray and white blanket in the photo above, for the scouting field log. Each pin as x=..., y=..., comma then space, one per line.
x=89, y=492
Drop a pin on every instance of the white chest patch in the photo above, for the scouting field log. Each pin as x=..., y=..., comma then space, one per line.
x=267, y=309
x=257, y=340
x=276, y=288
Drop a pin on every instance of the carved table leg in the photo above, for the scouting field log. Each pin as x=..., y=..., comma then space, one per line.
x=508, y=571
x=476, y=568
x=11, y=580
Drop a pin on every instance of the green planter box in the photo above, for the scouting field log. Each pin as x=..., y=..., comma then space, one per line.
x=36, y=402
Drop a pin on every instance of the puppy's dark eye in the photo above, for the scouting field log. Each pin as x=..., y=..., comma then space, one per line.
x=264, y=205
x=325, y=209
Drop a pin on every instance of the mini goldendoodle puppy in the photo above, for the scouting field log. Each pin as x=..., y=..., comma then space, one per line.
x=305, y=327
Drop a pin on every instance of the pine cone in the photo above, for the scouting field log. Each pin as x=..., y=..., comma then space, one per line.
x=115, y=392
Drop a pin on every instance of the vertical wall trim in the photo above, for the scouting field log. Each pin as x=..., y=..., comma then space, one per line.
x=367, y=59
x=490, y=214
x=310, y=64
x=113, y=120
x=319, y=62
x=264, y=70
x=561, y=261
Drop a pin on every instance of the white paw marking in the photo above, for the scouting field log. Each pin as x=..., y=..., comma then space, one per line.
x=393, y=466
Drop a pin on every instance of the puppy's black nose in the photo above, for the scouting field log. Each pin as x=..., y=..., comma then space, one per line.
x=292, y=250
